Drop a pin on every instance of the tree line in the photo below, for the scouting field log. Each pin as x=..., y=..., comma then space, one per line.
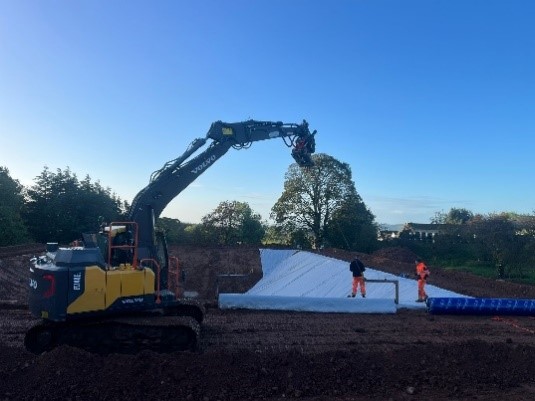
x=502, y=244
x=57, y=208
x=319, y=207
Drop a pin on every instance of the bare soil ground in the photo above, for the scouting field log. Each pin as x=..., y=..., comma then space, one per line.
x=275, y=356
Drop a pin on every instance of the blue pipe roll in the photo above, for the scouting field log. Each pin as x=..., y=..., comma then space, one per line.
x=481, y=306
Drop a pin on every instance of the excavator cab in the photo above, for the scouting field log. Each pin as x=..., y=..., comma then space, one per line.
x=120, y=244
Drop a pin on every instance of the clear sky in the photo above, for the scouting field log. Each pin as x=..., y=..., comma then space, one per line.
x=431, y=102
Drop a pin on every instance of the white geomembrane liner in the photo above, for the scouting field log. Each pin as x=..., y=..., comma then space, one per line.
x=302, y=281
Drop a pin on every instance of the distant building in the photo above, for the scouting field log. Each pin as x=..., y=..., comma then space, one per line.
x=386, y=235
x=525, y=225
x=419, y=231
x=414, y=231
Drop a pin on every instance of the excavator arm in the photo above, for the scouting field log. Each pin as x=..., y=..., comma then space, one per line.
x=176, y=175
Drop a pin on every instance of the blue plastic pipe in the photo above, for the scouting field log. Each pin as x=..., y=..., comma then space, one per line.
x=481, y=306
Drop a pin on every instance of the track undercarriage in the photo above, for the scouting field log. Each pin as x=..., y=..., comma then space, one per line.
x=163, y=330
x=160, y=332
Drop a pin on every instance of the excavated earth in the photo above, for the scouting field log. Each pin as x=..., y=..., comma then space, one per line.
x=275, y=356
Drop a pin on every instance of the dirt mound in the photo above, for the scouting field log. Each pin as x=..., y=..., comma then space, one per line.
x=14, y=279
x=399, y=254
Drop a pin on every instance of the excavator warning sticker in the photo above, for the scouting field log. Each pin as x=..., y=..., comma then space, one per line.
x=227, y=131
x=274, y=134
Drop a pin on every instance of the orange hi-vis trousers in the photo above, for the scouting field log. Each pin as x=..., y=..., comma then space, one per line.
x=421, y=289
x=359, y=281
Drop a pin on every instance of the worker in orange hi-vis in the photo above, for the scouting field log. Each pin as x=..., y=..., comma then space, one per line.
x=357, y=268
x=422, y=272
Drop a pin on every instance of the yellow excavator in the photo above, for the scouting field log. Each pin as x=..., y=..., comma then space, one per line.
x=118, y=289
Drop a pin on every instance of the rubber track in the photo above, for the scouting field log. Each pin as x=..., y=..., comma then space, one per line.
x=128, y=335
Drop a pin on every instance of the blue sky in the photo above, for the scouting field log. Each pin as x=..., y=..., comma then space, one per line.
x=432, y=103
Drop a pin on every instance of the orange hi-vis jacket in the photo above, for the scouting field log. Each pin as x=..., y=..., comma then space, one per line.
x=422, y=271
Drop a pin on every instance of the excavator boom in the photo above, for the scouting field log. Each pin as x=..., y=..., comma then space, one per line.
x=176, y=175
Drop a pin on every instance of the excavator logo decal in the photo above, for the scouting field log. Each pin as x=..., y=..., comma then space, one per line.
x=274, y=134
x=76, y=281
x=132, y=300
x=203, y=165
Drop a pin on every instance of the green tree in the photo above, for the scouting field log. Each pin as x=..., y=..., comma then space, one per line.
x=12, y=228
x=95, y=200
x=234, y=222
x=506, y=240
x=201, y=235
x=175, y=231
x=454, y=216
x=300, y=238
x=278, y=235
x=352, y=226
x=274, y=236
x=60, y=208
x=315, y=197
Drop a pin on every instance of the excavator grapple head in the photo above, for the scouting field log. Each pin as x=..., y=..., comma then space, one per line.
x=303, y=148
